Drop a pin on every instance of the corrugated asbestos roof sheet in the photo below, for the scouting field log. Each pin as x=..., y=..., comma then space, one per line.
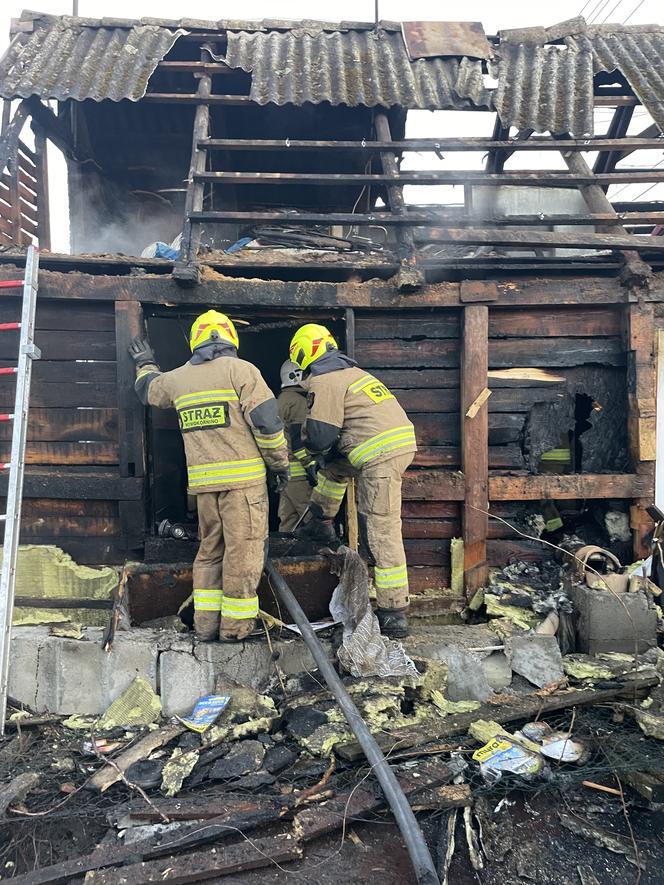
x=65, y=60
x=545, y=88
x=639, y=55
x=355, y=68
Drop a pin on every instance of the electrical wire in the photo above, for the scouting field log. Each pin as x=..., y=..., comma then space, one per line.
x=608, y=16
x=601, y=9
x=636, y=9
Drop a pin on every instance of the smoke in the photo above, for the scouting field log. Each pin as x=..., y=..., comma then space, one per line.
x=107, y=218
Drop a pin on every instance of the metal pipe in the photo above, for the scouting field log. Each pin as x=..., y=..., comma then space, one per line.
x=423, y=865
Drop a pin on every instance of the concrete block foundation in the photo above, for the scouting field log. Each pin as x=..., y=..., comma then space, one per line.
x=614, y=622
x=63, y=676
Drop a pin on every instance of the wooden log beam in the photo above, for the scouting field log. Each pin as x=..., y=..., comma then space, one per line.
x=520, y=239
x=191, y=230
x=648, y=140
x=475, y=443
x=570, y=487
x=597, y=201
x=535, y=178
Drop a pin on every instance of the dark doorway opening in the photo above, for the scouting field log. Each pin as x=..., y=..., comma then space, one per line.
x=264, y=339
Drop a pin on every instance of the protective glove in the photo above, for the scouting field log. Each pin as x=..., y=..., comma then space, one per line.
x=312, y=467
x=141, y=352
x=280, y=480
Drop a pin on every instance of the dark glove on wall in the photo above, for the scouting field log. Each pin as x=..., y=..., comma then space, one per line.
x=141, y=352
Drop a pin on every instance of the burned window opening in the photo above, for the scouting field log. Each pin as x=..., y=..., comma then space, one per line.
x=583, y=429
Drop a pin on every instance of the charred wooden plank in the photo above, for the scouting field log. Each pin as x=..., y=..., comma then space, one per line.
x=56, y=316
x=65, y=453
x=428, y=400
x=428, y=551
x=210, y=863
x=520, y=239
x=61, y=602
x=69, y=371
x=48, y=394
x=429, y=528
x=474, y=444
x=423, y=579
x=69, y=425
x=62, y=345
x=67, y=483
x=437, y=456
x=433, y=485
x=570, y=487
x=440, y=325
x=311, y=823
x=408, y=379
x=558, y=352
x=583, y=322
x=598, y=143
x=407, y=354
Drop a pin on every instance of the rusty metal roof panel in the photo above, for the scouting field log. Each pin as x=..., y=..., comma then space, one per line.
x=546, y=88
x=62, y=59
x=355, y=68
x=445, y=39
x=638, y=53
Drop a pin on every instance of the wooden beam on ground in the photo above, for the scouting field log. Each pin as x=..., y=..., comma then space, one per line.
x=475, y=443
x=570, y=487
x=208, y=863
x=517, y=708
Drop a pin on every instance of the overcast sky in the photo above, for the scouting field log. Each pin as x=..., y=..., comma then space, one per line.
x=493, y=15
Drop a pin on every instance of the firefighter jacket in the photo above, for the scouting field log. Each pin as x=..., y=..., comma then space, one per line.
x=292, y=405
x=228, y=419
x=353, y=411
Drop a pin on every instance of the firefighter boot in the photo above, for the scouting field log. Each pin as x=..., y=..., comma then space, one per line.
x=235, y=629
x=393, y=622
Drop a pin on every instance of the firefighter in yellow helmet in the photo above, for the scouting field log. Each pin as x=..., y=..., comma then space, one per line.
x=356, y=427
x=232, y=432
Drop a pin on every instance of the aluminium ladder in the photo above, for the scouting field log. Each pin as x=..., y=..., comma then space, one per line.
x=27, y=352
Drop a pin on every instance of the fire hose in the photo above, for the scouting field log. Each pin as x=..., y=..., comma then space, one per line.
x=423, y=865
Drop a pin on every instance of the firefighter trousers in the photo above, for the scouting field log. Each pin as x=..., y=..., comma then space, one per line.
x=233, y=528
x=379, y=501
x=293, y=501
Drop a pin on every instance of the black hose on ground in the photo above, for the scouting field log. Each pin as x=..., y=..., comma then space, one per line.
x=425, y=870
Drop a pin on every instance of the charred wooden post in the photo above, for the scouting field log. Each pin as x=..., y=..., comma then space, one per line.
x=642, y=418
x=409, y=276
x=475, y=443
x=637, y=271
x=43, y=210
x=186, y=270
x=131, y=420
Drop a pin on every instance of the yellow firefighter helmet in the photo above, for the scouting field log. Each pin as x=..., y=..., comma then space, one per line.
x=309, y=343
x=212, y=326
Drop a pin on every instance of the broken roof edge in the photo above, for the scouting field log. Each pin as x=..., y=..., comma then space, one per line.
x=194, y=24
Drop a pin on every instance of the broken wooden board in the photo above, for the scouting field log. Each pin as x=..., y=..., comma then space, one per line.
x=330, y=816
x=109, y=775
x=17, y=789
x=517, y=708
x=201, y=865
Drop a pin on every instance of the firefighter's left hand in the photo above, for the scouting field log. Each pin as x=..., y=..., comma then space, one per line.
x=141, y=352
x=280, y=480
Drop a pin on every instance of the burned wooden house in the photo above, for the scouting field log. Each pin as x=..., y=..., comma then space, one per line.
x=515, y=317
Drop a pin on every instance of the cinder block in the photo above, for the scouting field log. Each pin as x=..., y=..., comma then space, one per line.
x=30, y=664
x=613, y=622
x=63, y=676
x=185, y=676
